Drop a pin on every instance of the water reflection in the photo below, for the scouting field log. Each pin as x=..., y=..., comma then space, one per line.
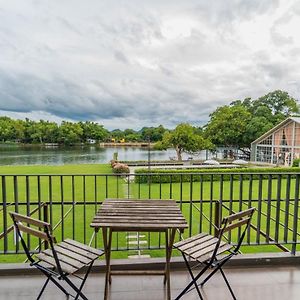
x=35, y=155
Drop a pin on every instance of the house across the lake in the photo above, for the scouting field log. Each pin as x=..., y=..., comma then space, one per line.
x=280, y=145
x=91, y=141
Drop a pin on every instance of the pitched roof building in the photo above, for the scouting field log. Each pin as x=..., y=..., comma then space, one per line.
x=280, y=145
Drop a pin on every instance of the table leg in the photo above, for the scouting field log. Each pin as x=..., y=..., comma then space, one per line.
x=107, y=250
x=169, y=246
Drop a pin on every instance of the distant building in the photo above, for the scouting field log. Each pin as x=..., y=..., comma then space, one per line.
x=91, y=141
x=280, y=145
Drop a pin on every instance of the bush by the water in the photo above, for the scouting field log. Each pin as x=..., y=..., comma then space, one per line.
x=120, y=168
x=196, y=175
x=113, y=162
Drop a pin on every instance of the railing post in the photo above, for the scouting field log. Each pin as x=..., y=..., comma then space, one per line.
x=45, y=218
x=4, y=212
x=217, y=218
x=296, y=211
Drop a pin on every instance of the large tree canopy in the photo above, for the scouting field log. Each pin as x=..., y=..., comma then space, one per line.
x=279, y=102
x=241, y=122
x=152, y=134
x=227, y=125
x=184, y=138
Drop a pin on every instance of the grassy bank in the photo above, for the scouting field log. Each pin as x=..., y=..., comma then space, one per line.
x=61, y=169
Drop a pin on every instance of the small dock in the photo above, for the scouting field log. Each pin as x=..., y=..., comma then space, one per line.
x=129, y=144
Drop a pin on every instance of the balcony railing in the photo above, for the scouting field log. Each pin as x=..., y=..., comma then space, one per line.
x=69, y=203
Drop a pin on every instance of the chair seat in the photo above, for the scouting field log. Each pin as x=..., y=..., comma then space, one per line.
x=71, y=254
x=202, y=246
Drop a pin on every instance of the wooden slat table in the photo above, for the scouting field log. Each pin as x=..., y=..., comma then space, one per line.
x=117, y=215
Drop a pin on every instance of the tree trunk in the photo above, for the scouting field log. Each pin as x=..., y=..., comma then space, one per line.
x=246, y=152
x=178, y=152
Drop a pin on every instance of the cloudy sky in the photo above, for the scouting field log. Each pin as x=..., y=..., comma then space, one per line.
x=135, y=63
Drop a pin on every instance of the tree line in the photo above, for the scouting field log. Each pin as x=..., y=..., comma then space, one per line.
x=234, y=125
x=70, y=133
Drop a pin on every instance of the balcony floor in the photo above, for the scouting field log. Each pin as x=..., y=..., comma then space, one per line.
x=267, y=283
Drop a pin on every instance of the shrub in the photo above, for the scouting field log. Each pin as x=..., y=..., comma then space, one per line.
x=120, y=168
x=196, y=175
x=113, y=162
x=296, y=162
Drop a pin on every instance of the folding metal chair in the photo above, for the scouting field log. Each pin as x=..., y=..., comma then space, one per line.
x=213, y=252
x=58, y=261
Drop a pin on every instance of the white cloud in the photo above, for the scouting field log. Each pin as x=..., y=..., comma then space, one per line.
x=142, y=63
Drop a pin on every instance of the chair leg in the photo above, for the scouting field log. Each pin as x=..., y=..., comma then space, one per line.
x=84, y=279
x=209, y=276
x=194, y=281
x=50, y=278
x=192, y=275
x=227, y=283
x=43, y=288
x=214, y=271
x=75, y=288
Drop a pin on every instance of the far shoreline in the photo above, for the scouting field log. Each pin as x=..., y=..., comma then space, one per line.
x=101, y=145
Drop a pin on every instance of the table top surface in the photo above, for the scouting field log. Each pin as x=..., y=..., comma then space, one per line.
x=139, y=215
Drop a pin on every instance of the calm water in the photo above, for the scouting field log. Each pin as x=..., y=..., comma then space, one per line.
x=17, y=155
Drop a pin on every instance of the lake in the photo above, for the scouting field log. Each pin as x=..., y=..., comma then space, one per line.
x=35, y=155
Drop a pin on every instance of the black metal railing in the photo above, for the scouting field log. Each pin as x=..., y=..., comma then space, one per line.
x=69, y=203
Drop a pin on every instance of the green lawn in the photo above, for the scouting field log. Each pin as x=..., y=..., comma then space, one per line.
x=235, y=191
x=70, y=191
x=61, y=169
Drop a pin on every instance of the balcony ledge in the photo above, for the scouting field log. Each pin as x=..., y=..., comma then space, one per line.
x=177, y=263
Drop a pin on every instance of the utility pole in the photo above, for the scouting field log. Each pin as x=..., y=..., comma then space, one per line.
x=149, y=159
x=149, y=156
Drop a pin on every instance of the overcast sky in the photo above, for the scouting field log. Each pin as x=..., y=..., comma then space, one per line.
x=135, y=63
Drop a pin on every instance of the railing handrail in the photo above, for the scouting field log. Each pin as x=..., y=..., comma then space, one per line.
x=221, y=172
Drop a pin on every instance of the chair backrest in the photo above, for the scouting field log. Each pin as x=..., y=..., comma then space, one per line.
x=239, y=221
x=39, y=229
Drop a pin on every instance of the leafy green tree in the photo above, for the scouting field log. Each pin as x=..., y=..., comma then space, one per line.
x=51, y=131
x=94, y=131
x=6, y=129
x=129, y=132
x=227, y=125
x=131, y=135
x=28, y=131
x=152, y=134
x=279, y=102
x=183, y=139
x=43, y=132
x=267, y=111
x=70, y=133
x=158, y=133
x=18, y=130
x=256, y=127
x=117, y=134
x=37, y=132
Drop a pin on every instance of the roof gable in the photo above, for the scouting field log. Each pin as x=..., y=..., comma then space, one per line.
x=286, y=121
